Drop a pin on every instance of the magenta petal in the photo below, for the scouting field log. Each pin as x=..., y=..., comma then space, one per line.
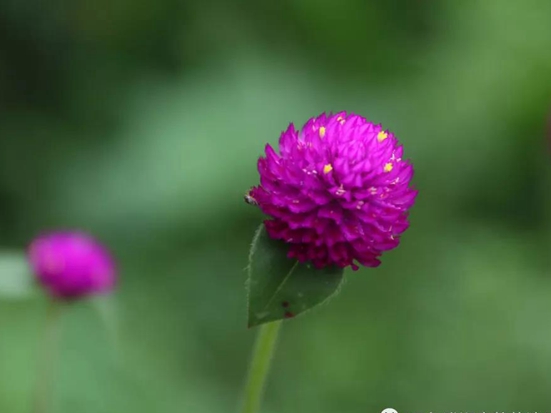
x=72, y=264
x=338, y=192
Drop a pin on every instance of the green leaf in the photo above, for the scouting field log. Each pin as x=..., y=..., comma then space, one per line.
x=280, y=287
x=16, y=279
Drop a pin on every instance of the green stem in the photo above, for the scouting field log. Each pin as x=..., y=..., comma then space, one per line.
x=46, y=362
x=260, y=366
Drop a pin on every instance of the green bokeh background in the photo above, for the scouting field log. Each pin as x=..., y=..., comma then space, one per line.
x=141, y=122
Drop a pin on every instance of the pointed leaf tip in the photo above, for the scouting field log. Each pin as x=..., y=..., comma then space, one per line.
x=279, y=287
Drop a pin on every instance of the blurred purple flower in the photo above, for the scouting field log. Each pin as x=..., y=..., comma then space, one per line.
x=72, y=264
x=338, y=192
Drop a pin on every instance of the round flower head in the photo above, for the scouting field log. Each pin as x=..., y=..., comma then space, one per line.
x=338, y=191
x=72, y=264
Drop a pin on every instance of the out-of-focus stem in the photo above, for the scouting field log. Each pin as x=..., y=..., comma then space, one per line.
x=42, y=402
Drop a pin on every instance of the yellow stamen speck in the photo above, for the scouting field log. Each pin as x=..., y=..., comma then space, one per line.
x=322, y=131
x=381, y=136
x=388, y=167
x=327, y=168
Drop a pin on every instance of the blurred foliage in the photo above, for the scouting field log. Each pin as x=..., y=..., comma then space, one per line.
x=142, y=122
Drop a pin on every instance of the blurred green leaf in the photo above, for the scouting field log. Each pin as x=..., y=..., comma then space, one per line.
x=16, y=279
x=282, y=288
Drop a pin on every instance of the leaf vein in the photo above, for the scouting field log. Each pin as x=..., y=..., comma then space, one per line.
x=280, y=286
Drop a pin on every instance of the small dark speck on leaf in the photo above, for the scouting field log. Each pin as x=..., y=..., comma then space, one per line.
x=285, y=304
x=288, y=314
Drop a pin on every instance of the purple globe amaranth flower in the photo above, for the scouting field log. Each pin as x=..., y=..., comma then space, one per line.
x=338, y=192
x=72, y=264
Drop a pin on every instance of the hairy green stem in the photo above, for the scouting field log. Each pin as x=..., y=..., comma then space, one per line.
x=48, y=351
x=260, y=366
